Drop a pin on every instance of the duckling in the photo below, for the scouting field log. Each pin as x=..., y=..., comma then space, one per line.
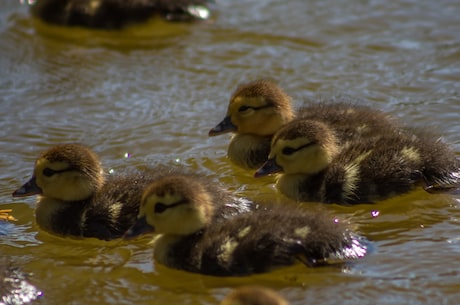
x=314, y=168
x=254, y=295
x=191, y=239
x=259, y=108
x=4, y=215
x=76, y=198
x=116, y=14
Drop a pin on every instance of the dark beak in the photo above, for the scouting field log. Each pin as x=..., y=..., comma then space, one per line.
x=223, y=127
x=141, y=227
x=269, y=167
x=28, y=189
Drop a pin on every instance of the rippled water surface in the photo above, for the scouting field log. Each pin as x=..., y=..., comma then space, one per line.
x=150, y=93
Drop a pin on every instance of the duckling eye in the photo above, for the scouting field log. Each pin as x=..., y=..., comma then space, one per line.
x=243, y=108
x=289, y=151
x=160, y=208
x=48, y=172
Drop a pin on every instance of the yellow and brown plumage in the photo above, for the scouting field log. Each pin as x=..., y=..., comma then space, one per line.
x=76, y=198
x=314, y=167
x=259, y=108
x=193, y=236
x=116, y=14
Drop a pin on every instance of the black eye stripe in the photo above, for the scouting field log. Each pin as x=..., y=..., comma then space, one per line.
x=48, y=172
x=160, y=207
x=245, y=107
x=290, y=150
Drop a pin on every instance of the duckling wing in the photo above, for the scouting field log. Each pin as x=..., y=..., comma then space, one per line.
x=266, y=239
x=113, y=210
x=235, y=255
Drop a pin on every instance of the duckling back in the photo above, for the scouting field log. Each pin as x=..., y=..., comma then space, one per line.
x=381, y=168
x=114, y=208
x=349, y=120
x=248, y=244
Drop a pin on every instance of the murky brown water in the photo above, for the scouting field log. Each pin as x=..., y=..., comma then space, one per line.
x=155, y=90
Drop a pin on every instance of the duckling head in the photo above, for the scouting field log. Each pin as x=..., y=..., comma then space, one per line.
x=175, y=205
x=300, y=147
x=259, y=107
x=68, y=172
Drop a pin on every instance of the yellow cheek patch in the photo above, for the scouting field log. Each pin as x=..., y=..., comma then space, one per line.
x=43, y=163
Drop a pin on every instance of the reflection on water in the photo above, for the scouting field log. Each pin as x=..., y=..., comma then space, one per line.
x=150, y=93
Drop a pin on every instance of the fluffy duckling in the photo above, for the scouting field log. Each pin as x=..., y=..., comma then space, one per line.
x=193, y=238
x=254, y=295
x=116, y=14
x=76, y=198
x=314, y=168
x=5, y=215
x=259, y=108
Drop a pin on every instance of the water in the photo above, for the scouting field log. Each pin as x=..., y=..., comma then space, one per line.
x=150, y=93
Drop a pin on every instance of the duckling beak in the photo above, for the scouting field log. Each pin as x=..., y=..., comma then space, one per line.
x=269, y=167
x=139, y=228
x=28, y=189
x=223, y=127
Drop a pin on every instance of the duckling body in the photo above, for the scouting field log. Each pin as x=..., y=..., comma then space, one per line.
x=259, y=108
x=313, y=167
x=191, y=238
x=115, y=14
x=75, y=197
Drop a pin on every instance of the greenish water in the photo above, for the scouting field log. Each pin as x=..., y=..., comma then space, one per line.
x=152, y=92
